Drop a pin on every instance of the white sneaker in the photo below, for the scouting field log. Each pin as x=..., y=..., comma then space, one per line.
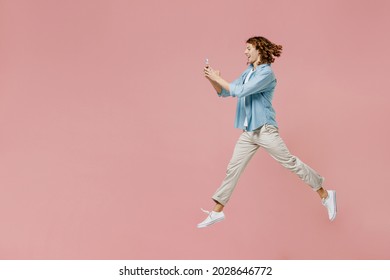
x=212, y=218
x=330, y=204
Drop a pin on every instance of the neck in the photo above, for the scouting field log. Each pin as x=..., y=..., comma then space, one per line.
x=257, y=63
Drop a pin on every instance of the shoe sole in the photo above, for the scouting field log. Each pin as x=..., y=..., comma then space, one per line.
x=211, y=223
x=335, y=206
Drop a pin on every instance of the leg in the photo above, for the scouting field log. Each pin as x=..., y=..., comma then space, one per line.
x=218, y=207
x=268, y=138
x=323, y=193
x=243, y=152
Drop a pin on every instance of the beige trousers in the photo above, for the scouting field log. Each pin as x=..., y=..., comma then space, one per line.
x=268, y=138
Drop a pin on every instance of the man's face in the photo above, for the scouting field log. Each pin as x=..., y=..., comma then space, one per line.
x=252, y=54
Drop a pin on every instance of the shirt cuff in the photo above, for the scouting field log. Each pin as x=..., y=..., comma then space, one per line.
x=232, y=89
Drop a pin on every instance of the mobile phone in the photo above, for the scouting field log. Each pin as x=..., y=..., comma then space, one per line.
x=206, y=61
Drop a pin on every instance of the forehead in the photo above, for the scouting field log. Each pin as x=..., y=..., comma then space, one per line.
x=249, y=46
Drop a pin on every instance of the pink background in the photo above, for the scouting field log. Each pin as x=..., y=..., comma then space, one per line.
x=111, y=138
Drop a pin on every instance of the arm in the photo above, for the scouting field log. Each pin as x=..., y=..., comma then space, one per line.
x=216, y=86
x=220, y=85
x=255, y=84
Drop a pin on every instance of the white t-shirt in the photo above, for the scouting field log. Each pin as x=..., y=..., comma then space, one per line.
x=246, y=80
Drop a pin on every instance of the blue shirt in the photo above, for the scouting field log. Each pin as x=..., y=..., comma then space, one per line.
x=258, y=93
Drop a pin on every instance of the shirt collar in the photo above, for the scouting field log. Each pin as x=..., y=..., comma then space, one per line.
x=259, y=66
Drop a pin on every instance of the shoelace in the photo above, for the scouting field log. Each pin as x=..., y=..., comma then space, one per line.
x=207, y=212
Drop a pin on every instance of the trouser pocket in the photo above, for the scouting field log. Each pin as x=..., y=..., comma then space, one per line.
x=270, y=128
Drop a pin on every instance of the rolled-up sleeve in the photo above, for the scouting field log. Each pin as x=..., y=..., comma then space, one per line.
x=224, y=93
x=256, y=84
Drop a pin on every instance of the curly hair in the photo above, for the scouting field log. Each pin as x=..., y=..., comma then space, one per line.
x=267, y=49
